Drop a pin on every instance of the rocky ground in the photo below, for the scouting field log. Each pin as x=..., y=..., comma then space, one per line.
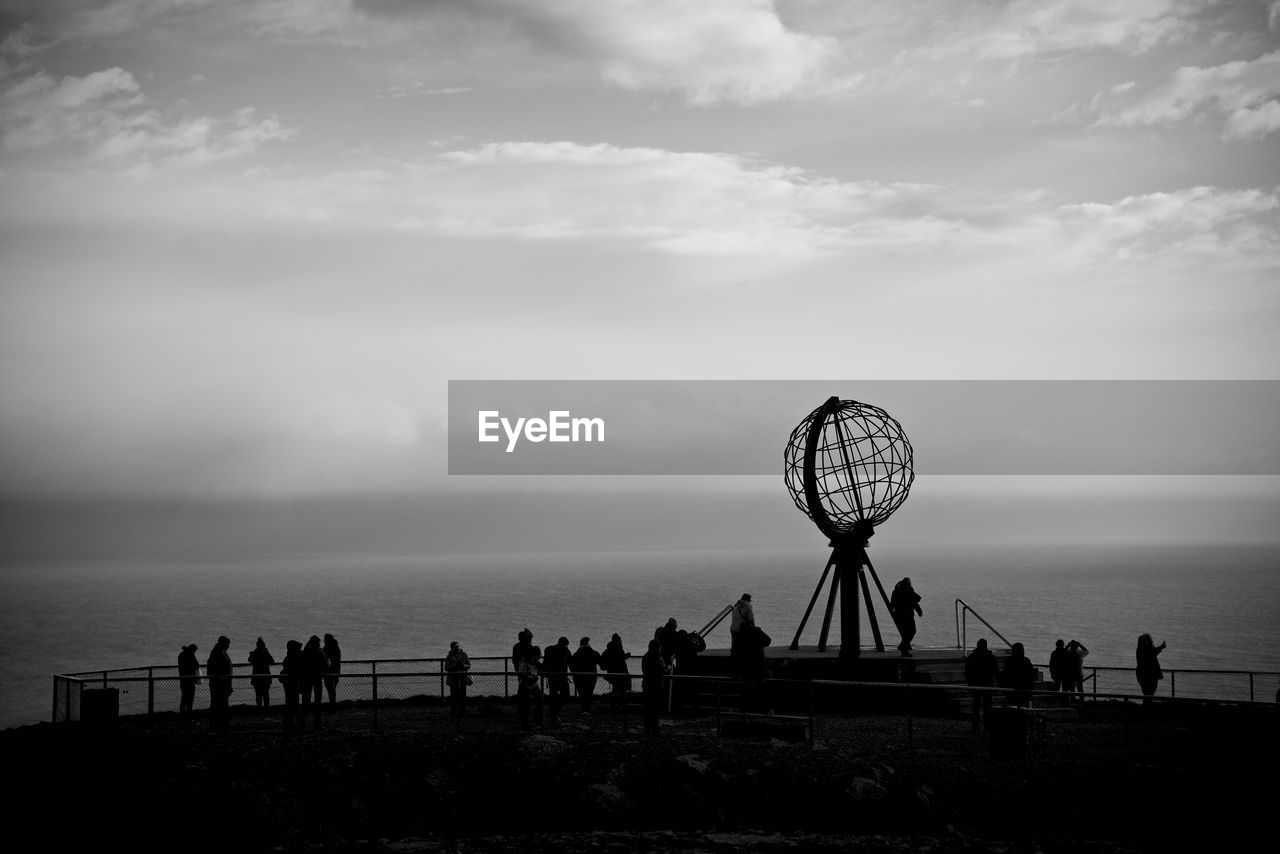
x=1114, y=780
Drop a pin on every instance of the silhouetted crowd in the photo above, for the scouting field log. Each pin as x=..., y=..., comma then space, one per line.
x=307, y=673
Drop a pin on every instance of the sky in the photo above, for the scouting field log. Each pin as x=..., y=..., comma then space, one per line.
x=244, y=246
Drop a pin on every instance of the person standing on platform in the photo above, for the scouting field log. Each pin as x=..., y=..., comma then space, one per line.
x=219, y=669
x=906, y=605
x=523, y=646
x=456, y=664
x=652, y=670
x=1019, y=676
x=290, y=669
x=332, y=667
x=669, y=637
x=981, y=670
x=1076, y=653
x=614, y=659
x=529, y=692
x=584, y=663
x=1058, y=666
x=189, y=669
x=260, y=660
x=1148, y=670
x=555, y=664
x=310, y=679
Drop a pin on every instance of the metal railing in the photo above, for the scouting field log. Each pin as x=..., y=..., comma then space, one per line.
x=963, y=609
x=391, y=687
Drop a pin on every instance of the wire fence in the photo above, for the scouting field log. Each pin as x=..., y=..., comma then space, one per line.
x=410, y=692
x=1225, y=685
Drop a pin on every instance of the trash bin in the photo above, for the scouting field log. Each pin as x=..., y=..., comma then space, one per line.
x=99, y=706
x=1010, y=729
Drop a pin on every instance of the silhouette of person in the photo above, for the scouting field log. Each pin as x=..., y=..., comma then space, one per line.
x=332, y=667
x=752, y=667
x=584, y=663
x=1058, y=665
x=219, y=668
x=189, y=669
x=290, y=669
x=529, y=692
x=310, y=676
x=555, y=666
x=260, y=659
x=614, y=659
x=906, y=605
x=741, y=619
x=981, y=670
x=524, y=643
x=652, y=668
x=1148, y=670
x=1019, y=676
x=1074, y=672
x=456, y=664
x=669, y=637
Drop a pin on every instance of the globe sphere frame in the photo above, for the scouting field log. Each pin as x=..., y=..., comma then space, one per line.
x=849, y=466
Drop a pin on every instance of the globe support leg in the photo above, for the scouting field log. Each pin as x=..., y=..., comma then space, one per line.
x=848, y=579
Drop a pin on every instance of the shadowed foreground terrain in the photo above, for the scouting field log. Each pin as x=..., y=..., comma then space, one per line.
x=1194, y=777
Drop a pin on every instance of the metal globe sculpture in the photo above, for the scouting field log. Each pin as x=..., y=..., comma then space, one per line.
x=848, y=467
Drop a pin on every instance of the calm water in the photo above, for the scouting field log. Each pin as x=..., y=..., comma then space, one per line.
x=1218, y=607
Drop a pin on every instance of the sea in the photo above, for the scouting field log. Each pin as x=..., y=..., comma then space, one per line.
x=1217, y=607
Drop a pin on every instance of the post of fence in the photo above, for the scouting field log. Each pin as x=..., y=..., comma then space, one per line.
x=104, y=679
x=151, y=692
x=811, y=713
x=506, y=678
x=442, y=679
x=717, y=708
x=53, y=715
x=911, y=744
x=374, y=671
x=1173, y=683
x=68, y=717
x=1250, y=686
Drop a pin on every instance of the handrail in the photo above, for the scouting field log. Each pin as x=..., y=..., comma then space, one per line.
x=715, y=621
x=963, y=609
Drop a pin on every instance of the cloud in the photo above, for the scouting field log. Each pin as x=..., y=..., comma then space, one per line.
x=714, y=50
x=676, y=203
x=106, y=115
x=1198, y=221
x=1246, y=94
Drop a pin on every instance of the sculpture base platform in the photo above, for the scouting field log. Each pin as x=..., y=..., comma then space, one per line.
x=945, y=665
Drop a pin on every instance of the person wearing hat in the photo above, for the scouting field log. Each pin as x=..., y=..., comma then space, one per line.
x=584, y=663
x=219, y=669
x=189, y=670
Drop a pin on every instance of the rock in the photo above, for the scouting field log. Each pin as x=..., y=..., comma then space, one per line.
x=865, y=790
x=605, y=803
x=693, y=762
x=541, y=748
